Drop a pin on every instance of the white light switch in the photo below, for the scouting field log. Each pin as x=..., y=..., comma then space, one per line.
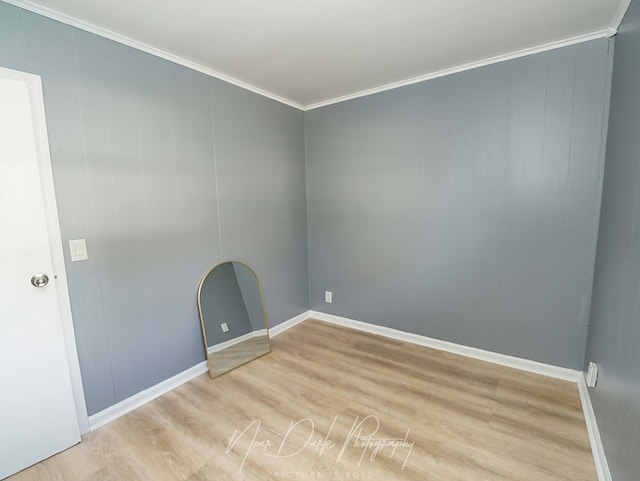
x=78, y=250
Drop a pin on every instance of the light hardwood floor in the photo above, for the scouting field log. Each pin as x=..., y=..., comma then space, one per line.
x=327, y=404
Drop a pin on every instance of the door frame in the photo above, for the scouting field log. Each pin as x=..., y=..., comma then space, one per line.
x=34, y=83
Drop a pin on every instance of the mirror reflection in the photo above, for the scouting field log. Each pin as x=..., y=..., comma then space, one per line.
x=234, y=325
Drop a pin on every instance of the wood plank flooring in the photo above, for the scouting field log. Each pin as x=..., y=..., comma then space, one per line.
x=330, y=403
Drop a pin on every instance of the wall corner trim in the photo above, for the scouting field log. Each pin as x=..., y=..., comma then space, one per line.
x=472, y=352
x=620, y=13
x=599, y=457
x=127, y=405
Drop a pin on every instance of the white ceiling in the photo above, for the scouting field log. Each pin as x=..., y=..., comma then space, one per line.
x=313, y=52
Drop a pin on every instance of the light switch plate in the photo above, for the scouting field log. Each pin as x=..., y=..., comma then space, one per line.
x=78, y=250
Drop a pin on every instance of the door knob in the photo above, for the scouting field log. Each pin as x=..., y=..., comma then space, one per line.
x=39, y=280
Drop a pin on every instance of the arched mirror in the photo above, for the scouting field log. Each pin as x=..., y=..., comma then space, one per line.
x=234, y=325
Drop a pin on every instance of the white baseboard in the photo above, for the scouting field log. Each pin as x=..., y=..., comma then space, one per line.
x=283, y=326
x=475, y=353
x=127, y=405
x=599, y=457
x=597, y=449
x=123, y=407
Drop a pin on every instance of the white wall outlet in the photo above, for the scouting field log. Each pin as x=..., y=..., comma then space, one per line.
x=78, y=250
x=592, y=374
x=328, y=297
x=225, y=327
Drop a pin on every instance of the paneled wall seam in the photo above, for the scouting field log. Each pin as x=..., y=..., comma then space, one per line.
x=22, y=37
x=361, y=239
x=141, y=153
x=503, y=232
x=215, y=167
x=608, y=80
x=572, y=128
x=138, y=180
x=423, y=209
x=306, y=199
x=95, y=256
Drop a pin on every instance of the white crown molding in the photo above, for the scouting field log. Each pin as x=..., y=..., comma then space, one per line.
x=469, y=66
x=89, y=27
x=472, y=352
x=599, y=457
x=127, y=405
x=103, y=32
x=620, y=13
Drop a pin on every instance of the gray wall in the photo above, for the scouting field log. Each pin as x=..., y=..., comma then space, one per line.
x=166, y=172
x=614, y=334
x=465, y=208
x=221, y=301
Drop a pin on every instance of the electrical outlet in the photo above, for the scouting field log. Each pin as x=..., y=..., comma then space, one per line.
x=328, y=297
x=225, y=327
x=592, y=375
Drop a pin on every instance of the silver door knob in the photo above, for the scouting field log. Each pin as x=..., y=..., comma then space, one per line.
x=39, y=280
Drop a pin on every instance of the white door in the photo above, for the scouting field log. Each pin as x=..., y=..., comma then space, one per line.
x=38, y=416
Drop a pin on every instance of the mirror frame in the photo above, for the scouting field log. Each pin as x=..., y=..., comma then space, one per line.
x=204, y=333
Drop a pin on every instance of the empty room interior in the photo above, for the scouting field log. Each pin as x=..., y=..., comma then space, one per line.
x=320, y=240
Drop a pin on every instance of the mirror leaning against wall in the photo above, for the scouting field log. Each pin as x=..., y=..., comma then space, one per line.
x=232, y=315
